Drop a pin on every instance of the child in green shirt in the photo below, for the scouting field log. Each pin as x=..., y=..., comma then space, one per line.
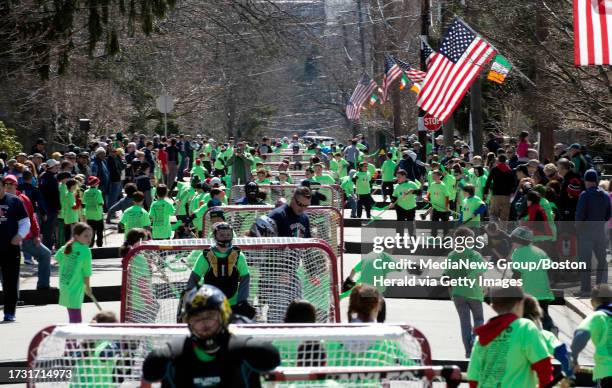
x=467, y=300
x=74, y=260
x=135, y=216
x=597, y=327
x=161, y=211
x=71, y=206
x=94, y=203
x=535, y=281
x=388, y=176
x=509, y=351
x=471, y=207
x=362, y=181
x=404, y=200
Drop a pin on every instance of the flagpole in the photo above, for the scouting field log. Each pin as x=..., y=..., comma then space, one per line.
x=496, y=50
x=422, y=132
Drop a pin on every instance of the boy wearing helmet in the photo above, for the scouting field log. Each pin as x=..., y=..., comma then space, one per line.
x=225, y=267
x=211, y=356
x=251, y=191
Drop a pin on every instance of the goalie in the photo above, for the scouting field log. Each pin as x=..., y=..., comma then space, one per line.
x=211, y=356
x=225, y=267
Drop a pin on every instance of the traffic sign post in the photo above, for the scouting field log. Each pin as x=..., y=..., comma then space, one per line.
x=165, y=105
x=431, y=123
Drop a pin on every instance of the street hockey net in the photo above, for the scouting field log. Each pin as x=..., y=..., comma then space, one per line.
x=333, y=194
x=155, y=273
x=326, y=223
x=325, y=355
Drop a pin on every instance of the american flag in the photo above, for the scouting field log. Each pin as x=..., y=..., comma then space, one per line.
x=392, y=72
x=462, y=56
x=364, y=89
x=413, y=74
x=427, y=52
x=592, y=32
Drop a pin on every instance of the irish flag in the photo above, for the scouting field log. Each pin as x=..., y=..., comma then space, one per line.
x=500, y=69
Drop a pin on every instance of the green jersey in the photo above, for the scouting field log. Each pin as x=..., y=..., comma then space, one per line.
x=363, y=182
x=73, y=268
x=406, y=199
x=469, y=206
x=324, y=180
x=93, y=202
x=199, y=171
x=439, y=196
x=599, y=325
x=506, y=360
x=371, y=169
x=449, y=181
x=475, y=268
x=135, y=217
x=184, y=198
x=346, y=183
x=207, y=151
x=69, y=208
x=388, y=170
x=63, y=190
x=160, y=213
x=340, y=167
x=222, y=270
x=535, y=279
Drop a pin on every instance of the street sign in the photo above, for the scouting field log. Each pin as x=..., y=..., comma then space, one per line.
x=431, y=123
x=164, y=103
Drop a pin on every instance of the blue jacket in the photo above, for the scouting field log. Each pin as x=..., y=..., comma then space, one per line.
x=594, y=207
x=100, y=170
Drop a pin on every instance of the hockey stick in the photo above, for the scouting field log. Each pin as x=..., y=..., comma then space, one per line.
x=93, y=299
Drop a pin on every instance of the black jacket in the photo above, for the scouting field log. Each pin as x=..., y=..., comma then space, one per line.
x=501, y=181
x=49, y=193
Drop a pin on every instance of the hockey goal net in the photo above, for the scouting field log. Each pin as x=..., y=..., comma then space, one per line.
x=333, y=194
x=155, y=274
x=326, y=223
x=333, y=355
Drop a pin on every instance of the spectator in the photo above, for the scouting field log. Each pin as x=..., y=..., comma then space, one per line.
x=50, y=203
x=32, y=244
x=351, y=154
x=501, y=183
x=571, y=187
x=116, y=165
x=40, y=148
x=523, y=147
x=82, y=165
x=99, y=169
x=574, y=154
x=124, y=203
x=14, y=227
x=173, y=158
x=241, y=166
x=492, y=144
x=592, y=213
x=301, y=311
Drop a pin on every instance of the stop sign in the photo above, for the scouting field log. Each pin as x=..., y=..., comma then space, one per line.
x=431, y=123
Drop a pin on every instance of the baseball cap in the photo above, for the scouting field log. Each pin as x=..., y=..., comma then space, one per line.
x=52, y=163
x=215, y=181
x=10, y=178
x=590, y=176
x=574, y=146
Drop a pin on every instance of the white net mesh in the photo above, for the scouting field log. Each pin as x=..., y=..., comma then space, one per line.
x=333, y=194
x=287, y=154
x=334, y=355
x=326, y=222
x=281, y=270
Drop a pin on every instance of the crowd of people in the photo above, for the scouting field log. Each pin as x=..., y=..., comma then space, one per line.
x=56, y=206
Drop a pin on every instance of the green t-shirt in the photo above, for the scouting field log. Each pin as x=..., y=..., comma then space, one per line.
x=73, y=268
x=373, y=267
x=599, y=324
x=346, y=183
x=93, y=202
x=199, y=171
x=468, y=206
x=202, y=267
x=62, y=194
x=141, y=287
x=506, y=361
x=184, y=196
x=196, y=201
x=470, y=256
x=68, y=201
x=324, y=179
x=135, y=217
x=405, y=199
x=96, y=370
x=388, y=170
x=363, y=183
x=535, y=281
x=449, y=181
x=550, y=340
x=371, y=169
x=207, y=151
x=340, y=167
x=160, y=213
x=439, y=196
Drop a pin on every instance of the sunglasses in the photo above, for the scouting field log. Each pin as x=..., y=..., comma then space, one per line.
x=300, y=204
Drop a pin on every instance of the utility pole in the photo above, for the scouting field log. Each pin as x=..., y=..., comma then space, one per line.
x=476, y=100
x=361, y=34
x=425, y=19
